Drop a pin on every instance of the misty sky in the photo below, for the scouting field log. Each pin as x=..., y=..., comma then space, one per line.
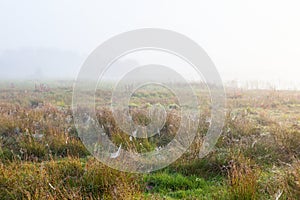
x=247, y=40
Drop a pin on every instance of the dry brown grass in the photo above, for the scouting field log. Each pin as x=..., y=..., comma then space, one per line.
x=243, y=178
x=66, y=179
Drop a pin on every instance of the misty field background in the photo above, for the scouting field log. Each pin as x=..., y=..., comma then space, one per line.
x=255, y=47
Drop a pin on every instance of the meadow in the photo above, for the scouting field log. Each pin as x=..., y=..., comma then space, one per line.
x=42, y=157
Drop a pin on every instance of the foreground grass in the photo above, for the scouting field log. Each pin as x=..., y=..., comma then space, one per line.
x=75, y=178
x=69, y=178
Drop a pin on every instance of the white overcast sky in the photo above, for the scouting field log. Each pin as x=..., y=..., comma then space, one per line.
x=247, y=40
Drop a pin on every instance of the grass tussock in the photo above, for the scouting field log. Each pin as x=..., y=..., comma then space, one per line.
x=243, y=179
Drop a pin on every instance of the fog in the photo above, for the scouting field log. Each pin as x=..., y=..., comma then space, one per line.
x=247, y=40
x=43, y=63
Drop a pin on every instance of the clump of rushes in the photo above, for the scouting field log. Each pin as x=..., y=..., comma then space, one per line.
x=292, y=181
x=243, y=178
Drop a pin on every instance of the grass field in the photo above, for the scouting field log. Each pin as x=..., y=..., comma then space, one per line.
x=42, y=157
